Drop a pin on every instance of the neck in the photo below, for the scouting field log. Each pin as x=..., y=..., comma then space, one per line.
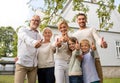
x=46, y=41
x=81, y=28
x=85, y=52
x=64, y=35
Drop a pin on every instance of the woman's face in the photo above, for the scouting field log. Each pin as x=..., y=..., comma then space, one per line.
x=63, y=29
x=47, y=34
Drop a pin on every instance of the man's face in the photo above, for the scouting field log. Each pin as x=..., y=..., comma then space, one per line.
x=34, y=23
x=81, y=20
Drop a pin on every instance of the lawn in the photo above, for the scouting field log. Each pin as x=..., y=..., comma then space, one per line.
x=10, y=79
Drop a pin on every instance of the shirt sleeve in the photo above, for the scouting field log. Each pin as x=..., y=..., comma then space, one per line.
x=96, y=36
x=22, y=34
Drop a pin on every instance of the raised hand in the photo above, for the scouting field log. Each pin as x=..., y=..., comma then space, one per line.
x=103, y=43
x=58, y=42
x=77, y=45
x=38, y=43
x=65, y=38
x=93, y=47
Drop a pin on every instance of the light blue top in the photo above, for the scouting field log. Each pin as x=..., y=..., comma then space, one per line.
x=89, y=69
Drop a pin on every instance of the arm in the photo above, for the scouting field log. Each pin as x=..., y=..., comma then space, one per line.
x=77, y=51
x=93, y=47
x=98, y=39
x=22, y=34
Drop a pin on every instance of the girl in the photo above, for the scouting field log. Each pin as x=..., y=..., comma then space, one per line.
x=75, y=72
x=88, y=64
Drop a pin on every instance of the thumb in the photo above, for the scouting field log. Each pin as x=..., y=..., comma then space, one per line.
x=41, y=40
x=102, y=40
x=57, y=39
x=92, y=43
x=76, y=42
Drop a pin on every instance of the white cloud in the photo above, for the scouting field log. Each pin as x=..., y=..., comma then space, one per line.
x=13, y=12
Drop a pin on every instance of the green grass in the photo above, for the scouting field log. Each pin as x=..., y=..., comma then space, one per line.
x=112, y=80
x=10, y=79
x=6, y=79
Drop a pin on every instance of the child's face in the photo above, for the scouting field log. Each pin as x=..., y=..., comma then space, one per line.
x=84, y=47
x=71, y=45
x=63, y=29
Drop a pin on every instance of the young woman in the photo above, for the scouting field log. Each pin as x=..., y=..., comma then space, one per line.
x=62, y=56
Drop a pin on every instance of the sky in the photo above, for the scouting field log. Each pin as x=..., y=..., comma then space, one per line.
x=15, y=12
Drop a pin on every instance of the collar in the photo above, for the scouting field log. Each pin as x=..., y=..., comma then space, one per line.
x=33, y=30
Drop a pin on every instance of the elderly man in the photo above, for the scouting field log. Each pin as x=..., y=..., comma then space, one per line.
x=29, y=39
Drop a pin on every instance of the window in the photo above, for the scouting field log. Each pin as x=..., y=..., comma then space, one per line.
x=118, y=48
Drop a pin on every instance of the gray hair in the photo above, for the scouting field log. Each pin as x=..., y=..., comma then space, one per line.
x=46, y=29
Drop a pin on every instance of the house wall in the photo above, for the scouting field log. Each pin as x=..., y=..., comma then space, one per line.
x=111, y=71
x=109, y=60
x=109, y=56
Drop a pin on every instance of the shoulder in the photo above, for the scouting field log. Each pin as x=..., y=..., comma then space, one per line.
x=91, y=28
x=75, y=33
x=23, y=29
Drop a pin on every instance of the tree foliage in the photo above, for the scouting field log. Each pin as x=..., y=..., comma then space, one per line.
x=119, y=8
x=7, y=41
x=53, y=10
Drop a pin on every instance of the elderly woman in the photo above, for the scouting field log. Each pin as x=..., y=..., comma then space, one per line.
x=45, y=59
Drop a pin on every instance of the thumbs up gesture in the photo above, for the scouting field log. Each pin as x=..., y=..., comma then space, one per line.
x=103, y=43
x=58, y=42
x=93, y=47
x=38, y=43
x=65, y=38
x=77, y=45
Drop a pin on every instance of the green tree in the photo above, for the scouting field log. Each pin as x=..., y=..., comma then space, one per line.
x=54, y=8
x=7, y=39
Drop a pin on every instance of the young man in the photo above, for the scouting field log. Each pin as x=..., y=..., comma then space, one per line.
x=91, y=34
x=29, y=39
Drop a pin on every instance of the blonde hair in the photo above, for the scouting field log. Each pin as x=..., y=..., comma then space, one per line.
x=63, y=22
x=85, y=41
